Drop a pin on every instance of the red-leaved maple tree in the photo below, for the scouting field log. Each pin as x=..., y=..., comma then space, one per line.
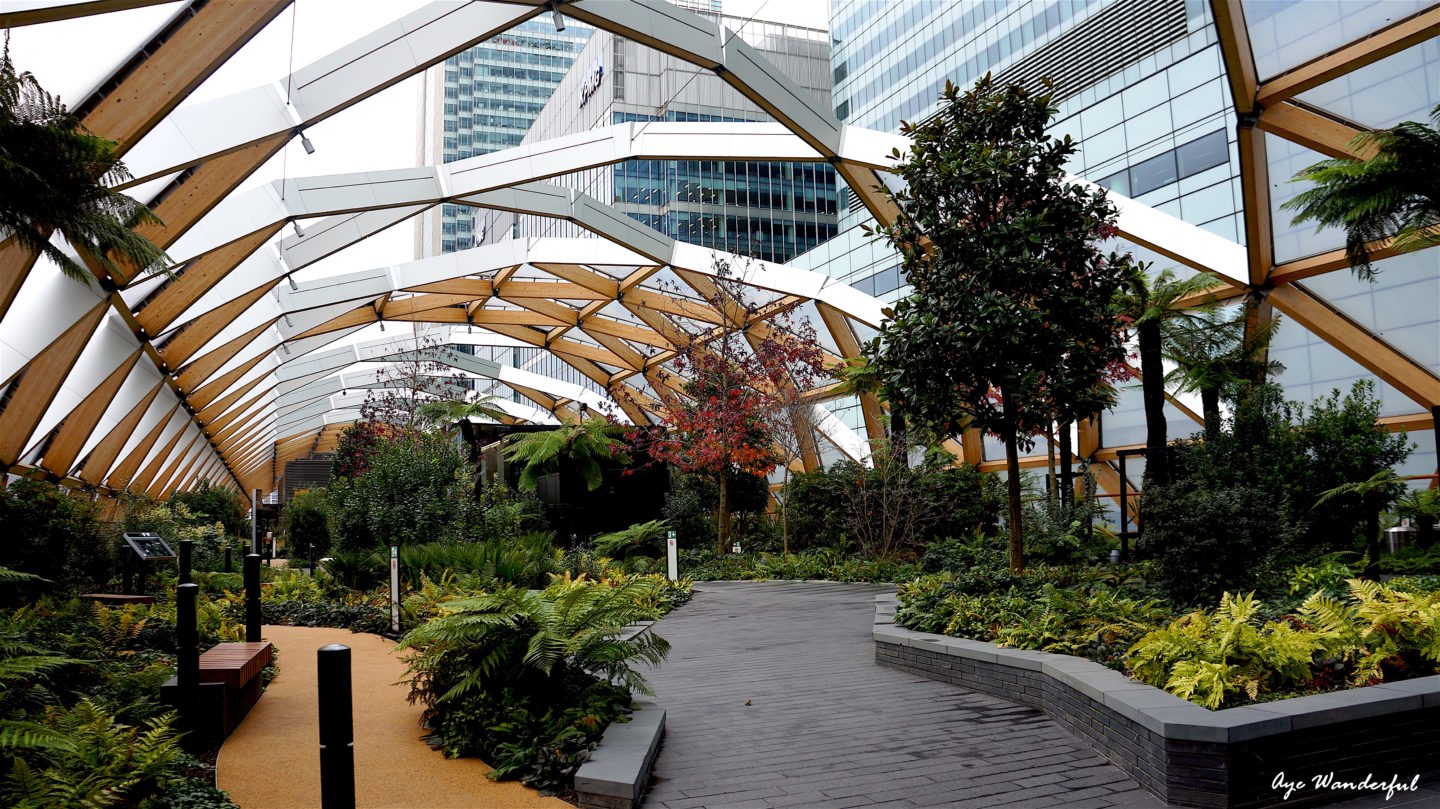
x=734, y=378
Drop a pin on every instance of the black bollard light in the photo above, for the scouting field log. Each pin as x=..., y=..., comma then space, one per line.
x=187, y=653
x=337, y=728
x=312, y=559
x=187, y=550
x=252, y=598
x=229, y=566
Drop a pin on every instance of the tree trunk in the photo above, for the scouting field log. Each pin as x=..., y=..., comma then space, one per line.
x=1152, y=369
x=899, y=438
x=1372, y=534
x=1210, y=408
x=784, y=514
x=1012, y=484
x=1052, y=484
x=722, y=522
x=1067, y=473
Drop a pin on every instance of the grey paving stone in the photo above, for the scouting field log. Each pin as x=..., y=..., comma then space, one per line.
x=828, y=727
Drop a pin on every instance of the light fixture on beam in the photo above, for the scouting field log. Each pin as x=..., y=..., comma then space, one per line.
x=294, y=287
x=299, y=231
x=556, y=16
x=305, y=141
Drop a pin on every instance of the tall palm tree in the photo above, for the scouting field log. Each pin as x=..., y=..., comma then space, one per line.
x=57, y=176
x=1149, y=306
x=1212, y=353
x=1394, y=193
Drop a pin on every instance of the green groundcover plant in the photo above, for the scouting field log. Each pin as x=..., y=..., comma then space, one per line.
x=1325, y=631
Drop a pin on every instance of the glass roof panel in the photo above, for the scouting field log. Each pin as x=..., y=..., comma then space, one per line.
x=1287, y=33
x=1294, y=241
x=1402, y=307
x=1313, y=368
x=1401, y=87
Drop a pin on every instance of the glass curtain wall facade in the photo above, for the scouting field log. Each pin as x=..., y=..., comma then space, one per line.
x=1142, y=87
x=772, y=211
x=483, y=100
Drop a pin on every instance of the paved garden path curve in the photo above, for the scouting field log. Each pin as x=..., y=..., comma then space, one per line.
x=773, y=698
x=826, y=727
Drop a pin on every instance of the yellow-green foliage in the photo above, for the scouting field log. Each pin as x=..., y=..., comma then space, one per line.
x=93, y=761
x=1208, y=657
x=1379, y=625
x=1211, y=658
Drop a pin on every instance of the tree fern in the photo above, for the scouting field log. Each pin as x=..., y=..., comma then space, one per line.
x=1394, y=193
x=635, y=539
x=583, y=443
x=59, y=177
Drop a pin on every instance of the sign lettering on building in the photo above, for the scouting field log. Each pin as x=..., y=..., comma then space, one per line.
x=592, y=82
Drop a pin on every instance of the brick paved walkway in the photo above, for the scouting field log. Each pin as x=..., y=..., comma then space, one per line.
x=826, y=727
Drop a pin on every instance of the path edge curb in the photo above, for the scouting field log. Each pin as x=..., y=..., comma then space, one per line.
x=1181, y=752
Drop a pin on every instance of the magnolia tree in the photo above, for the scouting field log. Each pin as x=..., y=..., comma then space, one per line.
x=736, y=377
x=1012, y=307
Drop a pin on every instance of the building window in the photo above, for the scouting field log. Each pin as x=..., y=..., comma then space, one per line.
x=1205, y=153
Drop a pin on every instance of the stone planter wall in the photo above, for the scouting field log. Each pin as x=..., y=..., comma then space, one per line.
x=1183, y=753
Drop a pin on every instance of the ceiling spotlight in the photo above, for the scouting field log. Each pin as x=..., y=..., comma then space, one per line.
x=382, y=325
x=288, y=324
x=305, y=141
x=559, y=18
x=298, y=230
x=293, y=286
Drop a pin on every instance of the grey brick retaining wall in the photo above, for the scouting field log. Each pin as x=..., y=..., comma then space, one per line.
x=1183, y=753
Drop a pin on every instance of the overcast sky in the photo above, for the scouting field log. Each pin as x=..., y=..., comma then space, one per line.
x=71, y=57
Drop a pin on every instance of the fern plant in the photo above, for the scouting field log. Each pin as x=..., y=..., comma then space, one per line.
x=60, y=177
x=1211, y=657
x=638, y=538
x=583, y=443
x=94, y=761
x=528, y=636
x=1381, y=628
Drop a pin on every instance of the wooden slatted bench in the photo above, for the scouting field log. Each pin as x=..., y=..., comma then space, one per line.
x=230, y=684
x=237, y=666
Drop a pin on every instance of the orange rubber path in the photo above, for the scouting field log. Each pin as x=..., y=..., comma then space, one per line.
x=272, y=761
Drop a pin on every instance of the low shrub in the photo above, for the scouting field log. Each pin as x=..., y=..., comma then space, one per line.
x=1372, y=634
x=1097, y=616
x=528, y=680
x=814, y=565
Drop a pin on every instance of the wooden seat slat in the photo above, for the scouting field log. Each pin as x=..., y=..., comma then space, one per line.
x=234, y=664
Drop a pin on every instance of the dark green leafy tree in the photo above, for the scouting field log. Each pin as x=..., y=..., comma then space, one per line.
x=1149, y=306
x=57, y=176
x=1394, y=193
x=307, y=523
x=217, y=504
x=1009, y=280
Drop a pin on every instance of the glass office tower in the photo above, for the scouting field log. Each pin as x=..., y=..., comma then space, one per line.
x=772, y=211
x=482, y=100
x=1142, y=87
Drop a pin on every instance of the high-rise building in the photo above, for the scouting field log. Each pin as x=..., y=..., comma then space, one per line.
x=1142, y=87
x=482, y=100
x=773, y=211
